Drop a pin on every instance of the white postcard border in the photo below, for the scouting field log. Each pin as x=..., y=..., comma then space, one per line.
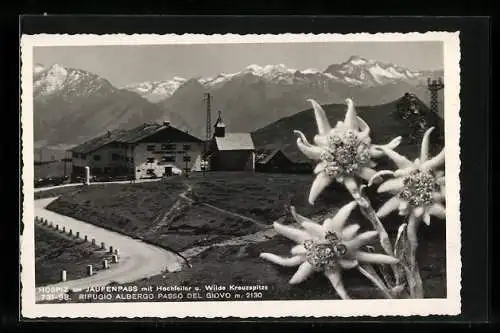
x=451, y=305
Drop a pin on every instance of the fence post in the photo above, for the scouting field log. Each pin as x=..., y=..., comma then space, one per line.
x=110, y=249
x=89, y=270
x=64, y=229
x=105, y=264
x=114, y=259
x=103, y=246
x=78, y=234
x=57, y=227
x=93, y=241
x=117, y=252
x=63, y=275
x=71, y=232
x=86, y=238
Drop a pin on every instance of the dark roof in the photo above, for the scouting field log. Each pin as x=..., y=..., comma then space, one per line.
x=97, y=142
x=134, y=135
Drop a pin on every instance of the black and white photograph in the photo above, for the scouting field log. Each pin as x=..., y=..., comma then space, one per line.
x=244, y=176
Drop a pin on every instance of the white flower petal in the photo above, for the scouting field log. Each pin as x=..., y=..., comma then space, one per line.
x=337, y=222
x=314, y=229
x=351, y=185
x=321, y=118
x=378, y=175
x=434, y=162
x=367, y=173
x=289, y=262
x=298, y=250
x=391, y=185
x=364, y=131
x=418, y=212
x=299, y=218
x=424, y=149
x=403, y=172
x=361, y=240
x=438, y=210
x=320, y=183
x=298, y=236
x=348, y=263
x=375, y=258
x=351, y=118
x=335, y=278
x=427, y=218
x=350, y=231
x=401, y=161
x=320, y=167
x=312, y=152
x=321, y=140
x=389, y=206
x=304, y=271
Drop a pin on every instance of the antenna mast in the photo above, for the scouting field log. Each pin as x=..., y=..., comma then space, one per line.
x=434, y=86
x=208, y=98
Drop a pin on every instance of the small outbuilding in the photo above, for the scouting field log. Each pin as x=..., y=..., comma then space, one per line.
x=231, y=151
x=272, y=160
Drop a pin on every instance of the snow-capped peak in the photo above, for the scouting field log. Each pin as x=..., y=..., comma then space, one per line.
x=357, y=60
x=361, y=71
x=38, y=68
x=65, y=81
x=155, y=91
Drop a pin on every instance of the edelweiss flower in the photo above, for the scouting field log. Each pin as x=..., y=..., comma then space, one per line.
x=344, y=151
x=328, y=248
x=418, y=187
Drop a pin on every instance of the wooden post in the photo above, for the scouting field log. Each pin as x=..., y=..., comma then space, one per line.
x=89, y=270
x=117, y=252
x=63, y=275
x=64, y=229
x=57, y=226
x=86, y=238
x=105, y=264
x=103, y=246
x=46, y=222
x=78, y=234
x=114, y=259
x=93, y=241
x=71, y=232
x=110, y=249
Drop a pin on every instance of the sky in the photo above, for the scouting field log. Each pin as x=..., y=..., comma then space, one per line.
x=126, y=64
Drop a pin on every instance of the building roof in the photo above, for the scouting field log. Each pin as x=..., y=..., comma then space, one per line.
x=134, y=135
x=235, y=141
x=97, y=142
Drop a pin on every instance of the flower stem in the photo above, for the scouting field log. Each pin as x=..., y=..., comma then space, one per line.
x=376, y=281
x=414, y=270
x=368, y=211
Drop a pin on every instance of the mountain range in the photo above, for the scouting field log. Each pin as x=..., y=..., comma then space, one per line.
x=72, y=105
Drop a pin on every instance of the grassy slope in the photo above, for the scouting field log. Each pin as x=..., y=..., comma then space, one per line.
x=242, y=193
x=55, y=252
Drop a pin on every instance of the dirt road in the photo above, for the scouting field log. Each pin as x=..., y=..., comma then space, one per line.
x=137, y=259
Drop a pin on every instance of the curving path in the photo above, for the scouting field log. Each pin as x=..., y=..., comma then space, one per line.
x=138, y=260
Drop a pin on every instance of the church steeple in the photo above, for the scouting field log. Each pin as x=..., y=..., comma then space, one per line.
x=219, y=127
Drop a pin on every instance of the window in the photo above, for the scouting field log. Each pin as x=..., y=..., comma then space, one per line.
x=97, y=157
x=168, y=159
x=150, y=160
x=168, y=146
x=186, y=147
x=186, y=158
x=150, y=147
x=115, y=157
